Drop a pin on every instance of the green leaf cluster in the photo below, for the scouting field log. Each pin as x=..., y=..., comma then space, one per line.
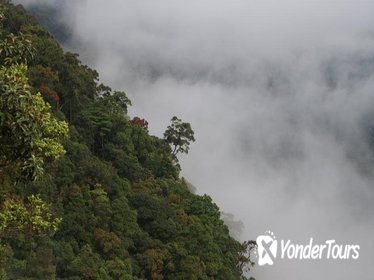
x=34, y=216
x=29, y=132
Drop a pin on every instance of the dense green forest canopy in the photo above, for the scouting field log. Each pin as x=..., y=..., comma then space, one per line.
x=85, y=191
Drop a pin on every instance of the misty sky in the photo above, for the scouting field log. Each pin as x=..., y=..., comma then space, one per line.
x=280, y=95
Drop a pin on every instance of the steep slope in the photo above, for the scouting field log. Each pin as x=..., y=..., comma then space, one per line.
x=126, y=213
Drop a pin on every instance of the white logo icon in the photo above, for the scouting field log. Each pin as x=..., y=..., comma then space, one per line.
x=267, y=248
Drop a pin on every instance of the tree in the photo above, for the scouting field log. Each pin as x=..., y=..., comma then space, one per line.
x=140, y=122
x=244, y=258
x=29, y=132
x=15, y=49
x=116, y=102
x=179, y=135
x=33, y=217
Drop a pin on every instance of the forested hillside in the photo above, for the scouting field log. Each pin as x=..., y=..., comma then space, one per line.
x=85, y=191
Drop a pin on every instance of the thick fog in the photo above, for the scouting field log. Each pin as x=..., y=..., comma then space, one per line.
x=280, y=95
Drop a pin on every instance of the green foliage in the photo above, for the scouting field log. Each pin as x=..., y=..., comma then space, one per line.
x=125, y=212
x=35, y=216
x=29, y=132
x=15, y=49
x=179, y=135
x=50, y=15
